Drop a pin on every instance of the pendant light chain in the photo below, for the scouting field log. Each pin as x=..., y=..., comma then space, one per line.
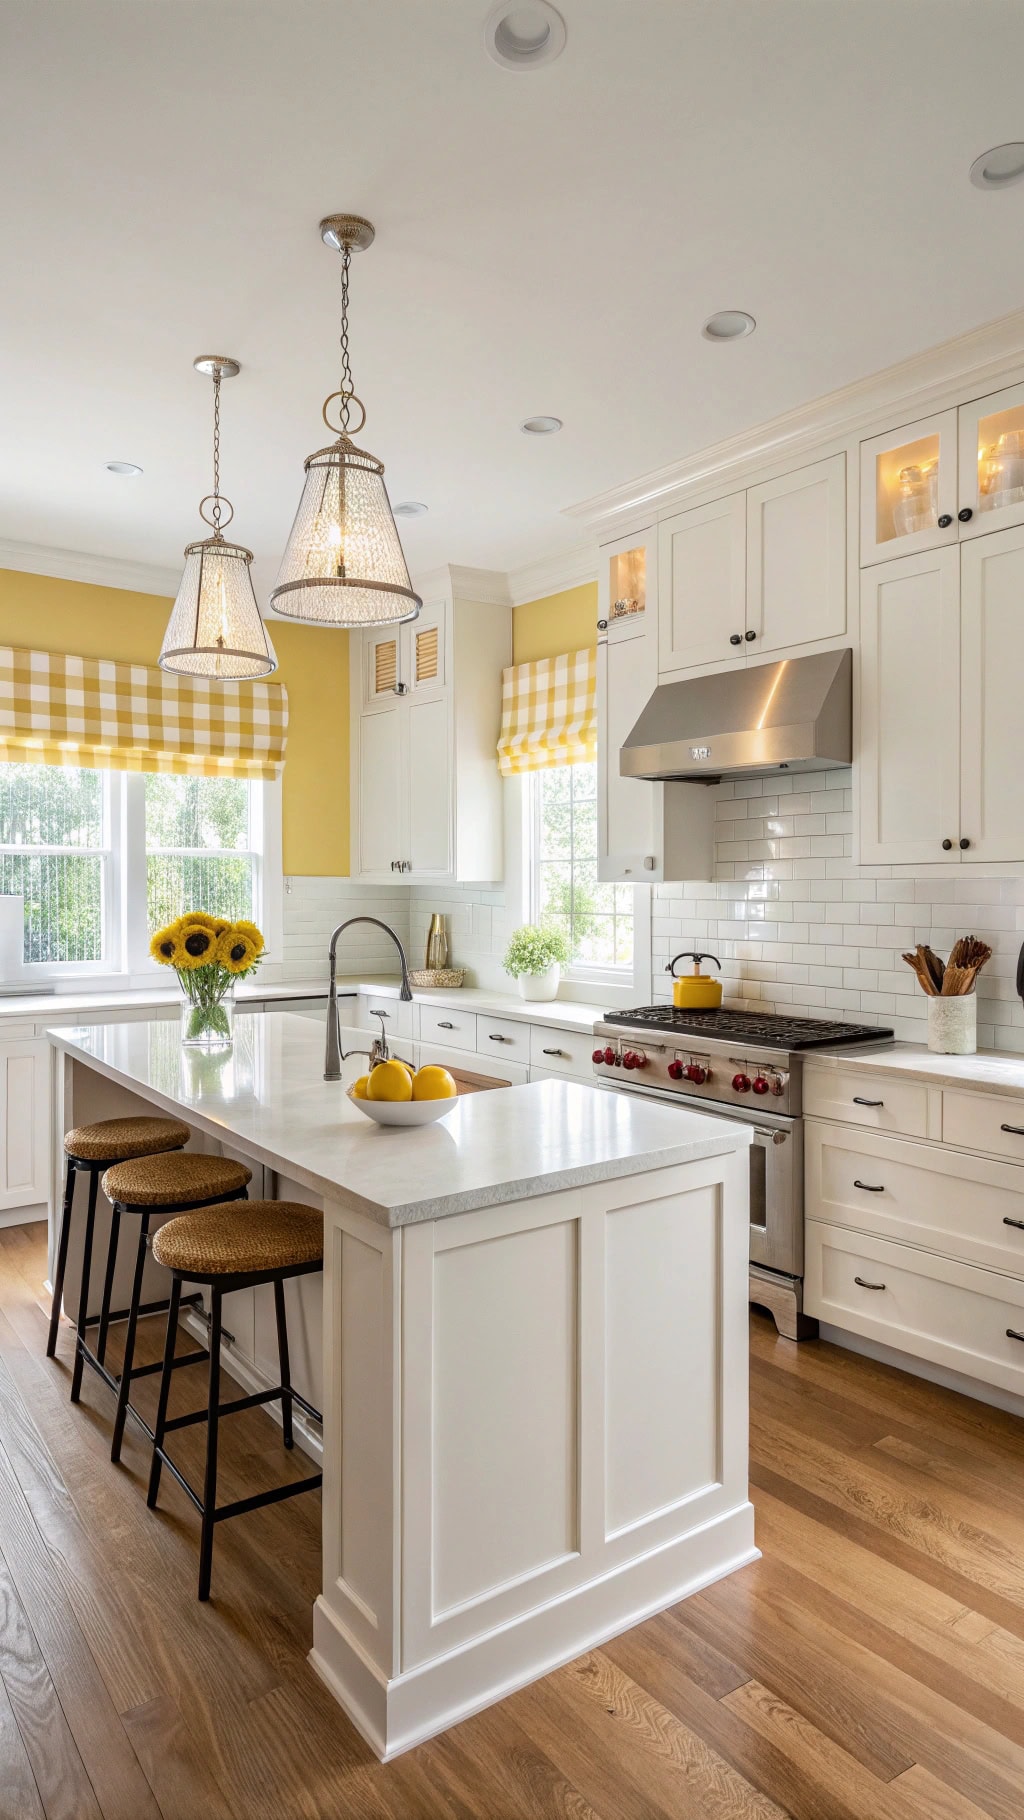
x=216, y=454
x=347, y=388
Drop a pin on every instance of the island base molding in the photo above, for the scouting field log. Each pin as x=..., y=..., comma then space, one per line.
x=394, y=1715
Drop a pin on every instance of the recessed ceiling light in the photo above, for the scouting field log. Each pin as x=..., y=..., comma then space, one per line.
x=541, y=426
x=728, y=325
x=521, y=34
x=410, y=508
x=997, y=169
x=130, y=468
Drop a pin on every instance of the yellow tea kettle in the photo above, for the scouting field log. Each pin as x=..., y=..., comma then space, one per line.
x=695, y=991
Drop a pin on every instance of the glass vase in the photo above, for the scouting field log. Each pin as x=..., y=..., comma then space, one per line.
x=207, y=1012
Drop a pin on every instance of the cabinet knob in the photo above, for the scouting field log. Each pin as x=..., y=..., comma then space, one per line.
x=965, y=513
x=735, y=639
x=944, y=521
x=649, y=862
x=964, y=842
x=750, y=637
x=602, y=625
x=399, y=688
x=946, y=845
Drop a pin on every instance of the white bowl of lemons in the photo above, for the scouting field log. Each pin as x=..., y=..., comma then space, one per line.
x=395, y=1093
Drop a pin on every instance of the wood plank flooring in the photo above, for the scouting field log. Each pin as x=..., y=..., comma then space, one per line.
x=869, y=1667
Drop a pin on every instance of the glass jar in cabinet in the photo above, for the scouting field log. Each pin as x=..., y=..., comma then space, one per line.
x=908, y=488
x=992, y=463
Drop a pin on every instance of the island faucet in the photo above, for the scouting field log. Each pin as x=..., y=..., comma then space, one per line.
x=333, y=1056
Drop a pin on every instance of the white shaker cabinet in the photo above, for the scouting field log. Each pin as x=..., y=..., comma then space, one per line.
x=379, y=803
x=702, y=591
x=24, y=1119
x=796, y=559
x=991, y=665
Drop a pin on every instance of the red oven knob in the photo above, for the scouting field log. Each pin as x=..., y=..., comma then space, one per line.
x=696, y=1073
x=639, y=1059
x=741, y=1083
x=609, y=1056
x=598, y=1055
x=759, y=1084
x=675, y=1071
x=629, y=1059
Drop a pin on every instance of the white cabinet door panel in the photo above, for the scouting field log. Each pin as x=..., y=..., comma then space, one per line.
x=24, y=1122
x=991, y=663
x=627, y=674
x=702, y=584
x=991, y=439
x=910, y=710
x=796, y=558
x=430, y=788
x=380, y=791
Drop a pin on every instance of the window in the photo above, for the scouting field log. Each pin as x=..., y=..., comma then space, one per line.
x=597, y=918
x=102, y=858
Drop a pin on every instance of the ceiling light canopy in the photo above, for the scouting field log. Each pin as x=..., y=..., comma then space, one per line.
x=998, y=168
x=541, y=426
x=129, y=469
x=411, y=508
x=522, y=34
x=343, y=563
x=728, y=325
x=215, y=628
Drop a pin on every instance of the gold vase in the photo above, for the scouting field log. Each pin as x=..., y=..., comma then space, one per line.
x=437, y=944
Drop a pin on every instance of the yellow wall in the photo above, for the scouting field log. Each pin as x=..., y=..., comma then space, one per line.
x=559, y=622
x=41, y=613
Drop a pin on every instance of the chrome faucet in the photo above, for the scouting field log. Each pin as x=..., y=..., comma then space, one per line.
x=334, y=1055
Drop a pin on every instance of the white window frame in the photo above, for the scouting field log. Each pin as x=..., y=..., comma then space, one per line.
x=618, y=983
x=46, y=973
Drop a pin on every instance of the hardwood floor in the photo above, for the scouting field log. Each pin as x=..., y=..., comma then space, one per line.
x=869, y=1667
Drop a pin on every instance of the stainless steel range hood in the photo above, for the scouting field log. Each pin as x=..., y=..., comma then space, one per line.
x=794, y=714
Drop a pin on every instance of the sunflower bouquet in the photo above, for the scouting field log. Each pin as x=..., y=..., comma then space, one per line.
x=208, y=954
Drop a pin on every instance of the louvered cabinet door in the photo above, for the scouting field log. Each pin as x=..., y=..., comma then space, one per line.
x=382, y=666
x=425, y=654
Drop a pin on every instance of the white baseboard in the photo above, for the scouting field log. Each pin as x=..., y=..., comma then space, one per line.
x=923, y=1368
x=23, y=1216
x=394, y=1715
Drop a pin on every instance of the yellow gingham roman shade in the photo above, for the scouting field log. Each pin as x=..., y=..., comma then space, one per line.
x=549, y=713
x=57, y=710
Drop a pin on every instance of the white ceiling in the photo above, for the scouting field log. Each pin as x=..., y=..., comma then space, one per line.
x=547, y=242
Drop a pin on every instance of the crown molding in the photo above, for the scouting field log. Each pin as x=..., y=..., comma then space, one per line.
x=553, y=574
x=489, y=586
x=916, y=387
x=80, y=565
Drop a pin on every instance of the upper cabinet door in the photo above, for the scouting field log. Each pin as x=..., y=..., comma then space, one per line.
x=382, y=666
x=992, y=462
x=627, y=675
x=702, y=585
x=908, y=489
x=909, y=772
x=425, y=661
x=991, y=663
x=796, y=558
x=429, y=784
x=381, y=801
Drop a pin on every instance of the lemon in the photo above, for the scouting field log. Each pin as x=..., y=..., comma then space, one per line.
x=359, y=1087
x=433, y=1084
x=389, y=1081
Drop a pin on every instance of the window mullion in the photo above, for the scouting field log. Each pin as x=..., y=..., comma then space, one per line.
x=133, y=871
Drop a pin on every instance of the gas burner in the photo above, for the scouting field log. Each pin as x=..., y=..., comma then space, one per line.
x=758, y=1027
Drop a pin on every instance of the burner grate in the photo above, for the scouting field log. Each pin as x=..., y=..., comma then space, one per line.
x=747, y=1026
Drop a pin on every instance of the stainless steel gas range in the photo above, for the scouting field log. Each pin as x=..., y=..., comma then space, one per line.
x=742, y=1065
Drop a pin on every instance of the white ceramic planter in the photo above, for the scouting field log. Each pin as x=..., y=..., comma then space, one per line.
x=540, y=985
x=953, y=1025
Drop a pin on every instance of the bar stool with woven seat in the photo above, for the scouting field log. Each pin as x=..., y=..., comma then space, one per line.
x=91, y=1149
x=230, y=1248
x=148, y=1186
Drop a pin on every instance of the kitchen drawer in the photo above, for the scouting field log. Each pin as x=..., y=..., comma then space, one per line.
x=440, y=1024
x=918, y=1194
x=877, y=1101
x=562, y=1051
x=396, y=1012
x=982, y=1121
x=930, y=1307
x=482, y=1067
x=503, y=1036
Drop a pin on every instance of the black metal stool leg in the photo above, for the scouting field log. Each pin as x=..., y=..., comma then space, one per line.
x=108, y=1283
x=83, y=1293
x=61, y=1260
x=125, y=1381
x=165, y=1389
x=282, y=1350
x=210, y=1484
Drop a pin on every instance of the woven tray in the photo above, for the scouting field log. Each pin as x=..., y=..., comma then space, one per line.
x=438, y=976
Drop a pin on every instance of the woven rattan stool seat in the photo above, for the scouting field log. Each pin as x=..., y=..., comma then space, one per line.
x=115, y=1140
x=174, y=1181
x=245, y=1236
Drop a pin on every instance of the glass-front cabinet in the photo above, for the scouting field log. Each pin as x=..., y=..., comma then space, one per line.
x=956, y=475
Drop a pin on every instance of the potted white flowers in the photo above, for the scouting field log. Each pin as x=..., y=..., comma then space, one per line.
x=535, y=957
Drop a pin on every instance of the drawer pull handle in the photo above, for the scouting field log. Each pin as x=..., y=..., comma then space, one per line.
x=858, y=1101
x=870, y=1187
x=552, y=1051
x=379, y=1013
x=445, y=1023
x=864, y=1284
x=495, y=1038
x=1014, y=1130
x=1008, y=1222
x=1012, y=1334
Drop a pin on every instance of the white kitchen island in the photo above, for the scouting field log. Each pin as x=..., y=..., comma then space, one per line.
x=533, y=1365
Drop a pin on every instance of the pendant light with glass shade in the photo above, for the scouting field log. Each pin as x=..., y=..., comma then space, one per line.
x=215, y=628
x=343, y=564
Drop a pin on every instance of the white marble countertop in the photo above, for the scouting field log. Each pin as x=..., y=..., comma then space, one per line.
x=990, y=1071
x=552, y=1014
x=266, y=1096
x=59, y=1006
